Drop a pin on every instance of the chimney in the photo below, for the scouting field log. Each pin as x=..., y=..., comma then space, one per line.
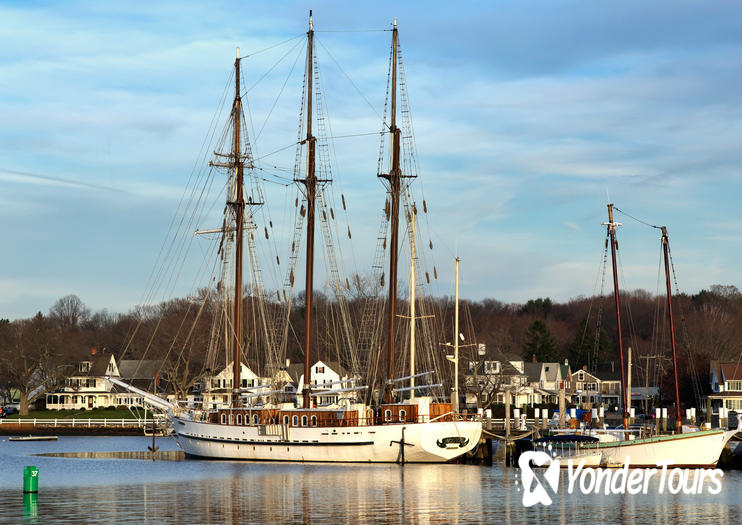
x=533, y=359
x=93, y=351
x=584, y=367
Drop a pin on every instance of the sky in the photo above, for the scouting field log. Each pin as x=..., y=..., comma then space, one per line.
x=528, y=117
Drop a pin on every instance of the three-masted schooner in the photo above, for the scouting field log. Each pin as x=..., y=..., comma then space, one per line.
x=416, y=429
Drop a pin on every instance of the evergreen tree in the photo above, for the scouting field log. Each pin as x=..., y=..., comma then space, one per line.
x=583, y=350
x=540, y=343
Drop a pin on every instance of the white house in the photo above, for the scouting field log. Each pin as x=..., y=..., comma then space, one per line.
x=330, y=376
x=217, y=389
x=87, y=388
x=726, y=386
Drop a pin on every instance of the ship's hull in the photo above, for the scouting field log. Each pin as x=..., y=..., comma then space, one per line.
x=431, y=442
x=694, y=449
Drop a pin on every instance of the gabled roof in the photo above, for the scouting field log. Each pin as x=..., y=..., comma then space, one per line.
x=139, y=369
x=608, y=375
x=335, y=366
x=594, y=376
x=509, y=370
x=731, y=371
x=98, y=366
x=533, y=371
x=551, y=371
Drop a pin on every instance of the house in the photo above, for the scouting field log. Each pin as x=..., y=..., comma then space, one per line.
x=87, y=388
x=610, y=387
x=330, y=376
x=726, y=386
x=217, y=389
x=587, y=388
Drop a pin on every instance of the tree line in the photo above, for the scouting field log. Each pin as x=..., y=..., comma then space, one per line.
x=38, y=353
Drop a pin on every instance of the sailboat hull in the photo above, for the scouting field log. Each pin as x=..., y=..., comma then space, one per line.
x=431, y=442
x=695, y=449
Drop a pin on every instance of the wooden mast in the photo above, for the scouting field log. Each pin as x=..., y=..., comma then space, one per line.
x=665, y=251
x=238, y=205
x=612, y=233
x=412, y=304
x=310, y=182
x=394, y=177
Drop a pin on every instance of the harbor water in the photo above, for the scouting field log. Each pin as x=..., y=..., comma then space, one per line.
x=114, y=480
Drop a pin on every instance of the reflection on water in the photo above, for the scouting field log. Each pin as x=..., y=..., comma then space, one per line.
x=104, y=488
x=160, y=455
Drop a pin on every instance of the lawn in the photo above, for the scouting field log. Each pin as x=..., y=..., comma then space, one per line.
x=100, y=413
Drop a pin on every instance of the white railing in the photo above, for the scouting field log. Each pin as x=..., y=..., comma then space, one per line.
x=82, y=423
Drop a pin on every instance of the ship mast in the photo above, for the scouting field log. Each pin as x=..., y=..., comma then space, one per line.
x=310, y=183
x=665, y=251
x=394, y=177
x=238, y=205
x=614, y=244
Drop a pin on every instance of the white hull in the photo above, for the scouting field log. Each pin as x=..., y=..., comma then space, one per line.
x=694, y=449
x=431, y=442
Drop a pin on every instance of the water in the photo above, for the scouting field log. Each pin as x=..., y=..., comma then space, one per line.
x=110, y=490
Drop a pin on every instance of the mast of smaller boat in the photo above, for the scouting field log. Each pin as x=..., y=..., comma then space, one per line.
x=238, y=205
x=455, y=400
x=614, y=244
x=310, y=183
x=394, y=177
x=665, y=251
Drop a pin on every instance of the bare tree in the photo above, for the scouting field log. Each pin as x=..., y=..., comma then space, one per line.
x=69, y=312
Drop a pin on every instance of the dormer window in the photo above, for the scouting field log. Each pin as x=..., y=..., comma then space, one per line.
x=85, y=366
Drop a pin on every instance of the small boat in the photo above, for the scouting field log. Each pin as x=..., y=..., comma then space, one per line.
x=570, y=447
x=33, y=438
x=690, y=450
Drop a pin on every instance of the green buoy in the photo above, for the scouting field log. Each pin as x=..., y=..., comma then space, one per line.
x=30, y=479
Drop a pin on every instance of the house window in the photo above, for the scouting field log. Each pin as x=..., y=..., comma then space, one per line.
x=387, y=415
x=244, y=383
x=295, y=421
x=255, y=419
x=734, y=385
x=239, y=419
x=224, y=418
x=320, y=369
x=285, y=420
x=402, y=415
x=303, y=421
x=581, y=376
x=314, y=421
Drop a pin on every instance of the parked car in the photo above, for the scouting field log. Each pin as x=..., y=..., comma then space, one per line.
x=7, y=410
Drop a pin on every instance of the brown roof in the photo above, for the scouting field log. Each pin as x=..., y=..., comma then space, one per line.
x=731, y=371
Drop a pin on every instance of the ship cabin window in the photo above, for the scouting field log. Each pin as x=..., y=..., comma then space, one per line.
x=402, y=415
x=295, y=421
x=285, y=420
x=231, y=418
x=224, y=418
x=255, y=419
x=303, y=421
x=314, y=421
x=387, y=415
x=239, y=419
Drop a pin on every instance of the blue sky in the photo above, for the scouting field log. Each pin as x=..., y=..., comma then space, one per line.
x=528, y=118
